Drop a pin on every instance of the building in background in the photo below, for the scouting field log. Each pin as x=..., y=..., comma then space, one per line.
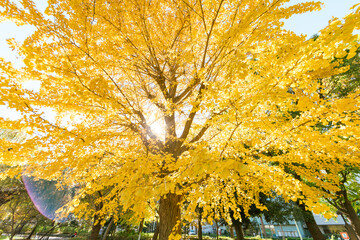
x=292, y=229
x=299, y=228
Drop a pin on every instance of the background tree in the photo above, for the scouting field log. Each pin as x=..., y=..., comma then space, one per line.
x=337, y=86
x=9, y=188
x=342, y=84
x=18, y=211
x=345, y=199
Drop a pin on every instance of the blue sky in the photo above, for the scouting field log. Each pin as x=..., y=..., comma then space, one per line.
x=309, y=23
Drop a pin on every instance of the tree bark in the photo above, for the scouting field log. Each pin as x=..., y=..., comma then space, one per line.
x=311, y=223
x=350, y=231
x=95, y=230
x=141, y=228
x=48, y=233
x=11, y=236
x=170, y=216
x=314, y=229
x=200, y=225
x=32, y=231
x=18, y=229
x=231, y=230
x=108, y=229
x=217, y=230
x=156, y=233
x=237, y=224
x=352, y=217
x=263, y=227
x=96, y=227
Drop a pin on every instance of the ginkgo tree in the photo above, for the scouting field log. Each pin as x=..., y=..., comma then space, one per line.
x=218, y=77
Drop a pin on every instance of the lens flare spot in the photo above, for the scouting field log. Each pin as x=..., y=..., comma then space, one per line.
x=46, y=197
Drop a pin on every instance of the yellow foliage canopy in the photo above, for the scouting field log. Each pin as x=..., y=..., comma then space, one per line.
x=220, y=78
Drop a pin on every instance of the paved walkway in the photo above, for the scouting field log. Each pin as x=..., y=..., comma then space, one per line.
x=37, y=237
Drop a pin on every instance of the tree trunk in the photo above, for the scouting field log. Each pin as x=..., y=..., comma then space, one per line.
x=96, y=227
x=238, y=229
x=108, y=229
x=156, y=233
x=48, y=233
x=217, y=230
x=141, y=228
x=200, y=225
x=32, y=231
x=237, y=225
x=18, y=229
x=95, y=230
x=170, y=216
x=352, y=217
x=314, y=229
x=231, y=231
x=350, y=231
x=11, y=236
x=311, y=223
x=263, y=227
